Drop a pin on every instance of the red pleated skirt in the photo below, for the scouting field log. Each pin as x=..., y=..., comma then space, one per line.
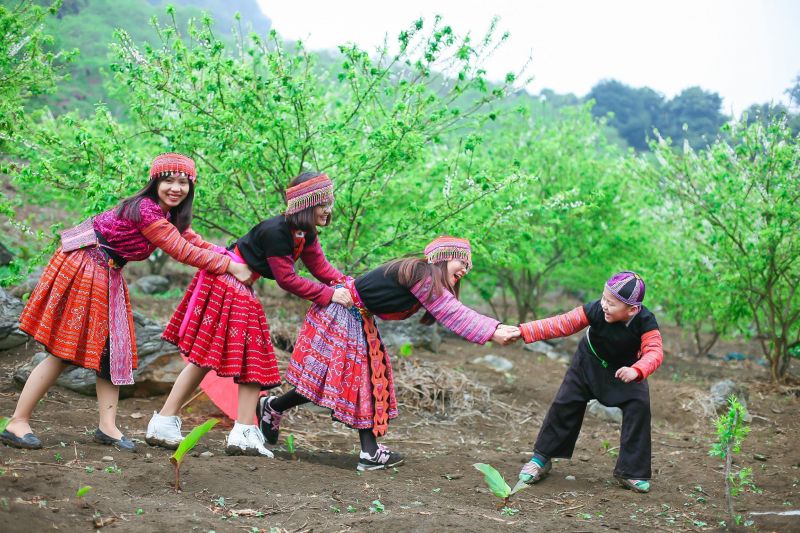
x=68, y=311
x=227, y=331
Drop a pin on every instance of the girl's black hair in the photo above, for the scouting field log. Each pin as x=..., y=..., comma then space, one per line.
x=305, y=220
x=412, y=270
x=180, y=215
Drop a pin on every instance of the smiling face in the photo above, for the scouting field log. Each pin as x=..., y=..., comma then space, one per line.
x=172, y=190
x=322, y=214
x=615, y=310
x=456, y=270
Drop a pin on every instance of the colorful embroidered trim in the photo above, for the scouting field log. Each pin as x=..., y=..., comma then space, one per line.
x=378, y=374
x=316, y=191
x=170, y=163
x=449, y=248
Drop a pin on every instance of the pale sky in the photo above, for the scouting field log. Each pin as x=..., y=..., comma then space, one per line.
x=748, y=51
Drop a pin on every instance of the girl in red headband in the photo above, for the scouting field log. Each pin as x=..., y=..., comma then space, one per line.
x=221, y=326
x=339, y=361
x=80, y=309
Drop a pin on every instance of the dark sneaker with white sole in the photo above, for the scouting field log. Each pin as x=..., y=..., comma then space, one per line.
x=382, y=459
x=269, y=420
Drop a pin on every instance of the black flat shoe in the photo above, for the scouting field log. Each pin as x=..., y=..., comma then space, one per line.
x=29, y=441
x=124, y=444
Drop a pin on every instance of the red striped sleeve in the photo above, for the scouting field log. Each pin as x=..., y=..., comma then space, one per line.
x=557, y=326
x=651, y=354
x=192, y=237
x=166, y=236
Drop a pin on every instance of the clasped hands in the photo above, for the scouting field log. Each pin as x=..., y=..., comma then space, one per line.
x=505, y=334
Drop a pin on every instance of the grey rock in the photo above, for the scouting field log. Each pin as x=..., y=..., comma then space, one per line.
x=396, y=333
x=721, y=390
x=207, y=454
x=548, y=350
x=159, y=365
x=495, y=362
x=28, y=285
x=5, y=255
x=570, y=478
x=609, y=414
x=10, y=334
x=152, y=284
x=107, y=458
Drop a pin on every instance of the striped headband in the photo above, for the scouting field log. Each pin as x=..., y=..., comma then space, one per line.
x=316, y=191
x=627, y=287
x=172, y=163
x=449, y=248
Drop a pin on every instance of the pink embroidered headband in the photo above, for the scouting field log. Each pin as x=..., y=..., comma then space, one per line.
x=316, y=191
x=172, y=163
x=449, y=249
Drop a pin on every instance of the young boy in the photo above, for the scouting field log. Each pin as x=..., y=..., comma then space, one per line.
x=621, y=347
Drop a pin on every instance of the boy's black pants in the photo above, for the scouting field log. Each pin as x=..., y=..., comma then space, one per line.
x=587, y=379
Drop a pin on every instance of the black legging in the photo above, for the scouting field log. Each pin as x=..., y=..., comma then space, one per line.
x=369, y=443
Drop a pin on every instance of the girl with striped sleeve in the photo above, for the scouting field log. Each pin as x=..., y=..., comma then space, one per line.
x=220, y=325
x=80, y=310
x=339, y=361
x=620, y=349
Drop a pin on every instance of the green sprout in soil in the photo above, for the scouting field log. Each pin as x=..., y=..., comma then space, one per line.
x=731, y=431
x=290, y=447
x=3, y=423
x=187, y=445
x=497, y=484
x=82, y=491
x=376, y=507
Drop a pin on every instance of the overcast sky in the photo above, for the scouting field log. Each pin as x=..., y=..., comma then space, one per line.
x=746, y=50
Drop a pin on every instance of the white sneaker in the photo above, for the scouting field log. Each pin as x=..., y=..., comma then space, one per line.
x=164, y=431
x=246, y=440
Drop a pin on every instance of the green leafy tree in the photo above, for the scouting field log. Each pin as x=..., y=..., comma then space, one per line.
x=559, y=223
x=738, y=201
x=26, y=67
x=256, y=117
x=633, y=112
x=694, y=115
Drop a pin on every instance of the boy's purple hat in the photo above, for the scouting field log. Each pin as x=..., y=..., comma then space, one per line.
x=627, y=286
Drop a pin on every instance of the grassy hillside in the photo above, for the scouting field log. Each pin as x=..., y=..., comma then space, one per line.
x=89, y=25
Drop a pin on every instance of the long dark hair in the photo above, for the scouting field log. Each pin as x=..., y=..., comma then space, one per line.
x=412, y=270
x=180, y=215
x=305, y=220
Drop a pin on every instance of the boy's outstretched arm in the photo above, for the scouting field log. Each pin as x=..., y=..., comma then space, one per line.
x=556, y=326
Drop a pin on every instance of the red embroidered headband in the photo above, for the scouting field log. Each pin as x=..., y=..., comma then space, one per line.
x=448, y=249
x=172, y=163
x=316, y=191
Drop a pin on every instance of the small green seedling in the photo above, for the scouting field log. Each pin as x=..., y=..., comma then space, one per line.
x=3, y=423
x=731, y=432
x=290, y=447
x=406, y=350
x=187, y=445
x=82, y=491
x=351, y=509
x=497, y=484
x=376, y=507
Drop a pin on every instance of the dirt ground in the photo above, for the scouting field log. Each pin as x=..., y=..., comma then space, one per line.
x=436, y=489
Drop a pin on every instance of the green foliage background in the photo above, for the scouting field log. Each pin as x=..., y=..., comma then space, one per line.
x=556, y=192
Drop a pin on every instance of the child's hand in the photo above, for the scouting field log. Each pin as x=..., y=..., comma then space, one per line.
x=626, y=374
x=505, y=334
